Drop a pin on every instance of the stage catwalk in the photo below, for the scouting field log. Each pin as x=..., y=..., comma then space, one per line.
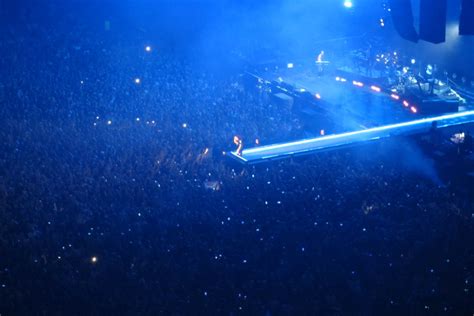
x=301, y=147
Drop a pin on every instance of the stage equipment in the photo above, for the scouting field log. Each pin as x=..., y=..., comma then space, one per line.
x=466, y=23
x=402, y=16
x=433, y=20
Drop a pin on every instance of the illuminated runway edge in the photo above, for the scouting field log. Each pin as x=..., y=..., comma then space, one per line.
x=307, y=146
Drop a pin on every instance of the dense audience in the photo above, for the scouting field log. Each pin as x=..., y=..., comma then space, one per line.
x=116, y=196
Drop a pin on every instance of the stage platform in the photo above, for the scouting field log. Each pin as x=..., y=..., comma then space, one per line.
x=330, y=142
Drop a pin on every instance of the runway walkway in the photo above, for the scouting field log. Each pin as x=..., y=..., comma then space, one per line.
x=307, y=146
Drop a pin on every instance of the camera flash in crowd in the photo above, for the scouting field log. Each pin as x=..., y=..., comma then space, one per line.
x=148, y=49
x=109, y=122
x=185, y=125
x=137, y=80
x=94, y=259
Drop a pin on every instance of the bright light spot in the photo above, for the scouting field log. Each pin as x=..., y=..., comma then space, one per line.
x=395, y=97
x=375, y=88
x=338, y=78
x=137, y=119
x=206, y=151
x=322, y=132
x=109, y=122
x=405, y=103
x=348, y=4
x=148, y=49
x=137, y=80
x=257, y=141
x=413, y=61
x=413, y=109
x=290, y=65
x=280, y=79
x=452, y=33
x=82, y=81
x=318, y=96
x=94, y=259
x=357, y=83
x=185, y=125
x=302, y=90
x=343, y=79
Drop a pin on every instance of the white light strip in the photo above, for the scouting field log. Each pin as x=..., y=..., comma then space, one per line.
x=360, y=132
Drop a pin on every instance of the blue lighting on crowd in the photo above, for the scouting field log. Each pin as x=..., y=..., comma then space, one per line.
x=151, y=159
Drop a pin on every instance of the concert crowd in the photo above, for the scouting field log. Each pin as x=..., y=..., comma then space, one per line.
x=116, y=196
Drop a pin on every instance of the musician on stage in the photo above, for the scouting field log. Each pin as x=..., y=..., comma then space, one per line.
x=240, y=145
x=320, y=57
x=320, y=62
